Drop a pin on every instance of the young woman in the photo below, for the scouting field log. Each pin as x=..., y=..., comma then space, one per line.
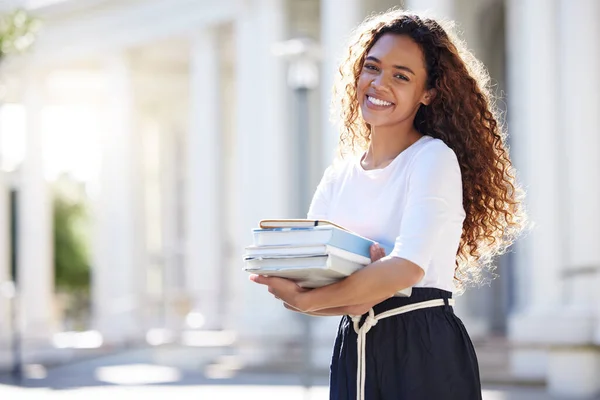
x=431, y=176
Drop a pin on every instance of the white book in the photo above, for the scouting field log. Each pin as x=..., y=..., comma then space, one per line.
x=309, y=272
x=308, y=250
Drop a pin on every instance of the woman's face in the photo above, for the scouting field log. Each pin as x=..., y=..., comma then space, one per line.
x=391, y=85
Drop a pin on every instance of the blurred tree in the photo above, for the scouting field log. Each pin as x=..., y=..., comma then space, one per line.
x=71, y=254
x=17, y=32
x=71, y=258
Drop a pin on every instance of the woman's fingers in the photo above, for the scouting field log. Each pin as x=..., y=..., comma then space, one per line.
x=258, y=279
x=377, y=252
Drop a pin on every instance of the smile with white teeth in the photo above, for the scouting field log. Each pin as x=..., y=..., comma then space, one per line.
x=378, y=102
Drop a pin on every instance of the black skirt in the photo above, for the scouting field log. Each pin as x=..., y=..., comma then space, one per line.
x=419, y=355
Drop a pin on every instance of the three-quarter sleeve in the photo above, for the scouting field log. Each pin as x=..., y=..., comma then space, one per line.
x=433, y=214
x=319, y=206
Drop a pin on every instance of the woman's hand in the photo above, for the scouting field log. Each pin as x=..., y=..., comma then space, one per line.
x=284, y=289
x=377, y=252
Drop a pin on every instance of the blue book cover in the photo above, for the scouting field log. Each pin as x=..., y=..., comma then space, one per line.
x=328, y=234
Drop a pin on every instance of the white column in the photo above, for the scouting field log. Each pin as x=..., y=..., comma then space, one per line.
x=115, y=284
x=4, y=250
x=204, y=241
x=338, y=19
x=263, y=172
x=574, y=365
x=5, y=289
x=580, y=105
x=164, y=186
x=534, y=130
x=437, y=8
x=35, y=255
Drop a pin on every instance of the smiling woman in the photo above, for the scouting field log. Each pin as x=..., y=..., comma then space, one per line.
x=424, y=166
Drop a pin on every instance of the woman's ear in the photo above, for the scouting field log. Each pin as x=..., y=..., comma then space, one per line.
x=428, y=96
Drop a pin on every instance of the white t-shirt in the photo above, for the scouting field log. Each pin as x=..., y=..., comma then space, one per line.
x=413, y=204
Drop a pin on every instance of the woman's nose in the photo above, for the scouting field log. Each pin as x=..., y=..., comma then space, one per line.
x=378, y=82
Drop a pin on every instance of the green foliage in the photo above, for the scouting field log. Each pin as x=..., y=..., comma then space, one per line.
x=71, y=255
x=17, y=32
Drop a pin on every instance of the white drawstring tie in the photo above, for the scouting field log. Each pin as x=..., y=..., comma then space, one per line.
x=371, y=321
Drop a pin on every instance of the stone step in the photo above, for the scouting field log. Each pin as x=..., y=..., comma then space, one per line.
x=493, y=354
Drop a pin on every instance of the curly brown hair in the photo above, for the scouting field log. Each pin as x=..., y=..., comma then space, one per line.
x=463, y=115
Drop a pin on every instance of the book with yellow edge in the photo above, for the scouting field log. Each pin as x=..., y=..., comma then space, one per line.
x=296, y=223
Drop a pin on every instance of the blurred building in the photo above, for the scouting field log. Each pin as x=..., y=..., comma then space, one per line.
x=185, y=125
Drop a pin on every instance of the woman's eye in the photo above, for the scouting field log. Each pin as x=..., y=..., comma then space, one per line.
x=371, y=67
x=403, y=77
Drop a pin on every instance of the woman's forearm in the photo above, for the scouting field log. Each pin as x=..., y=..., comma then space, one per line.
x=368, y=286
x=358, y=309
x=327, y=312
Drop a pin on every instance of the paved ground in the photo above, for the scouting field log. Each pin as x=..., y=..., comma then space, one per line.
x=125, y=384
x=122, y=377
x=220, y=392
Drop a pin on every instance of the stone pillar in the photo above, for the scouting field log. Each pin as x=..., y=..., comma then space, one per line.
x=338, y=19
x=263, y=172
x=115, y=264
x=35, y=254
x=580, y=139
x=4, y=248
x=204, y=209
x=437, y=8
x=534, y=128
x=574, y=364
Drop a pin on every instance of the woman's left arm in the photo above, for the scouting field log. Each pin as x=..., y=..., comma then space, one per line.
x=363, y=289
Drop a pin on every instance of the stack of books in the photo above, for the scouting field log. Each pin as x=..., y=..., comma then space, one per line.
x=311, y=253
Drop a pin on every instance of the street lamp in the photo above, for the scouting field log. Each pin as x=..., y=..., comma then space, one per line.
x=302, y=55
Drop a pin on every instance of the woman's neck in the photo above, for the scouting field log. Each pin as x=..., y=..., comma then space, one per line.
x=385, y=145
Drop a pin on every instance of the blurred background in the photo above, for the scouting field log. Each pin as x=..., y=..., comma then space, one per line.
x=142, y=140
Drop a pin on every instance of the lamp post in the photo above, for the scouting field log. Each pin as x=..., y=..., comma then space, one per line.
x=302, y=55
